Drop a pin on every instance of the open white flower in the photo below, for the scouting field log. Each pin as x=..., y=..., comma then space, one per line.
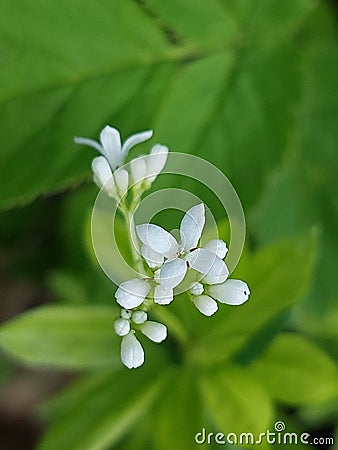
x=110, y=144
x=161, y=249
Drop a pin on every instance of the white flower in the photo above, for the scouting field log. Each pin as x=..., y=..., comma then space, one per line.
x=121, y=326
x=163, y=296
x=155, y=331
x=196, y=288
x=139, y=317
x=218, y=247
x=147, y=168
x=132, y=293
x=132, y=354
x=161, y=249
x=205, y=304
x=231, y=292
x=110, y=144
x=125, y=313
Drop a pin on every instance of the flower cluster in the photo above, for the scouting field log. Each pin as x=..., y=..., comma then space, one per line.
x=108, y=171
x=171, y=263
x=168, y=264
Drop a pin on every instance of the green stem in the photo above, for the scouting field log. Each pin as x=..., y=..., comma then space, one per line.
x=129, y=218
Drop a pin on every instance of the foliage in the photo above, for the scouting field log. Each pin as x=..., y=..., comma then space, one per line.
x=249, y=86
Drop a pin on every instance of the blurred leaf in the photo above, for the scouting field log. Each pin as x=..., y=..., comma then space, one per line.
x=265, y=20
x=194, y=21
x=81, y=65
x=277, y=276
x=179, y=404
x=67, y=287
x=231, y=397
x=63, y=336
x=296, y=371
x=100, y=409
x=91, y=67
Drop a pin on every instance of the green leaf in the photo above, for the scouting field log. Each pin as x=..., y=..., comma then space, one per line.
x=212, y=81
x=277, y=276
x=86, y=68
x=296, y=371
x=63, y=337
x=97, y=412
x=231, y=397
x=179, y=404
x=194, y=21
x=265, y=20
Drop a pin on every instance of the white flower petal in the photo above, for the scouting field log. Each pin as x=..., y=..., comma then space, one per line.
x=138, y=169
x=103, y=176
x=172, y=273
x=157, y=276
x=153, y=259
x=89, y=142
x=131, y=293
x=218, y=247
x=205, y=304
x=163, y=296
x=196, y=288
x=135, y=139
x=111, y=145
x=231, y=292
x=132, y=354
x=208, y=264
x=139, y=317
x=192, y=226
x=157, y=239
x=121, y=179
x=156, y=161
x=155, y=331
x=121, y=327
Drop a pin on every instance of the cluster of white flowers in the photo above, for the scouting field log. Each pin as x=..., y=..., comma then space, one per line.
x=108, y=173
x=169, y=264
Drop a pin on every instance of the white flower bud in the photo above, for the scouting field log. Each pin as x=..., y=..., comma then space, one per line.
x=139, y=317
x=155, y=331
x=132, y=354
x=132, y=293
x=205, y=304
x=121, y=327
x=125, y=313
x=196, y=288
x=231, y=292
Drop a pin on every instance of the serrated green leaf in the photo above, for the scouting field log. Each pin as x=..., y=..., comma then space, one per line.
x=63, y=337
x=296, y=371
x=97, y=412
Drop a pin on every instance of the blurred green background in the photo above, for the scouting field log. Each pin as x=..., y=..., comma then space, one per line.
x=251, y=86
